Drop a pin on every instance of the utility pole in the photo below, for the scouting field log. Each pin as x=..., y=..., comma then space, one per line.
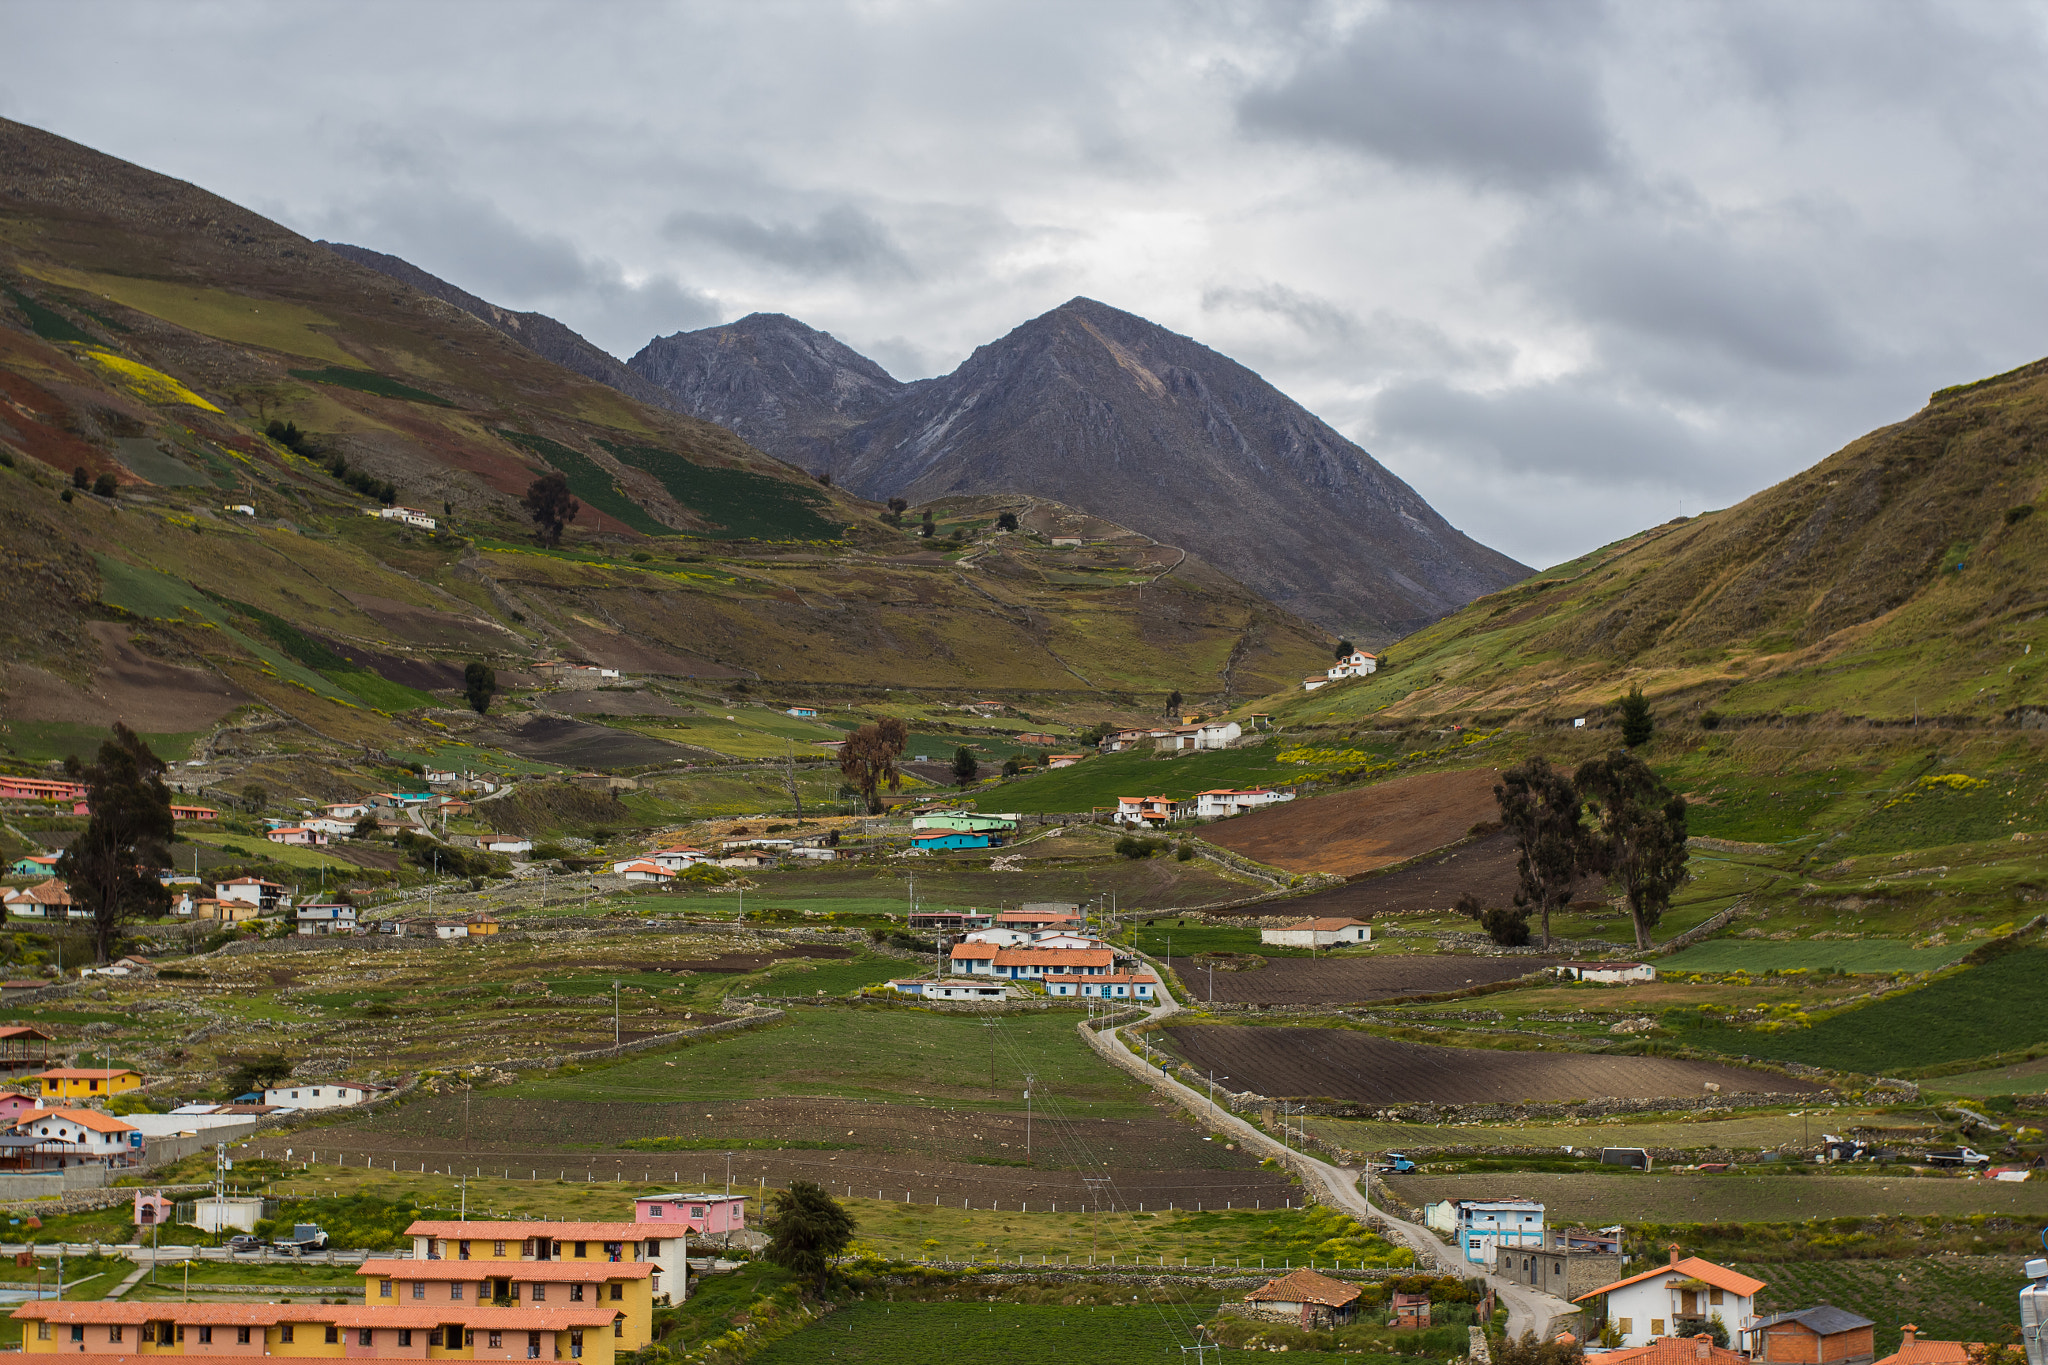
x=615, y=1014
x=728, y=1174
x=1029, y=1078
x=990, y=1025
x=1094, y=1184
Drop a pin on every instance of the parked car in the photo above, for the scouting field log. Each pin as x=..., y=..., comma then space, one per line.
x=244, y=1241
x=1956, y=1156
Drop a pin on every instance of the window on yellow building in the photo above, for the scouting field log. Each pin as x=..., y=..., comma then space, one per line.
x=333, y=1336
x=383, y=1289
x=149, y=1331
x=618, y=1291
x=497, y=1248
x=42, y=1331
x=462, y=1250
x=284, y=1334
x=582, y=1249
x=619, y=1325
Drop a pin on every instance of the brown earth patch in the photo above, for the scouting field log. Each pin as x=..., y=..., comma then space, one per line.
x=1354, y=832
x=425, y=626
x=1347, y=1065
x=148, y=694
x=615, y=702
x=575, y=744
x=1348, y=980
x=429, y=675
x=1485, y=867
x=622, y=652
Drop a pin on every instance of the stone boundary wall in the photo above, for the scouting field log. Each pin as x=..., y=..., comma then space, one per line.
x=660, y=1040
x=1422, y=1111
x=1705, y=929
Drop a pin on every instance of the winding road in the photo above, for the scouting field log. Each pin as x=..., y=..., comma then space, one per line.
x=1529, y=1309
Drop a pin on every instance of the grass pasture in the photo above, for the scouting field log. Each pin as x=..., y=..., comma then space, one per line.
x=1862, y=956
x=591, y=482
x=369, y=381
x=272, y=324
x=1978, y=1012
x=747, y=506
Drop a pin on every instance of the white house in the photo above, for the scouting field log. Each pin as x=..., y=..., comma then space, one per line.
x=346, y=810
x=1208, y=734
x=504, y=843
x=411, y=516
x=1214, y=805
x=325, y=918
x=1356, y=664
x=1508, y=1222
x=240, y=509
x=1315, y=680
x=1149, y=811
x=640, y=870
x=252, y=890
x=1442, y=1216
x=322, y=1094
x=1028, y=964
x=1009, y=936
x=802, y=712
x=1609, y=973
x=1678, y=1299
x=295, y=834
x=678, y=858
x=1114, y=986
x=1318, y=933
x=332, y=828
x=77, y=1137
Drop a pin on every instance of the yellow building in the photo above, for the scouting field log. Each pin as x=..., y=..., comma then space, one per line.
x=621, y=1288
x=75, y=1083
x=103, y=1333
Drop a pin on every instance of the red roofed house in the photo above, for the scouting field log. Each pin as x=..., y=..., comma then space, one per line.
x=296, y=834
x=1028, y=964
x=1694, y=1350
x=1318, y=933
x=1149, y=811
x=76, y=1137
x=1224, y=801
x=1821, y=1335
x=1041, y=915
x=1676, y=1300
x=1306, y=1299
x=541, y=1251
x=1914, y=1351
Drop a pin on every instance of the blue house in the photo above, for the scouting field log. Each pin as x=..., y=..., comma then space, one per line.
x=1503, y=1222
x=927, y=839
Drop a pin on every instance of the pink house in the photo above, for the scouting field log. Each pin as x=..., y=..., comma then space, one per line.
x=152, y=1210
x=13, y=1104
x=703, y=1214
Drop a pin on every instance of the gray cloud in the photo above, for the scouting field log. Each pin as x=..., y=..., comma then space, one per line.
x=839, y=241
x=1496, y=90
x=1314, y=317
x=1560, y=428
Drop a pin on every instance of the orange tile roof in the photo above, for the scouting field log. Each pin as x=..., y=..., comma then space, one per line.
x=74, y=1073
x=521, y=1228
x=1698, y=1350
x=1054, y=957
x=84, y=1118
x=1921, y=1352
x=553, y=1272
x=1305, y=1286
x=24, y=1031
x=1691, y=1267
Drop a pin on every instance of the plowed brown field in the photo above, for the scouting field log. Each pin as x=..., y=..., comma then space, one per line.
x=1353, y=832
x=1345, y=1064
x=1485, y=867
x=1349, y=980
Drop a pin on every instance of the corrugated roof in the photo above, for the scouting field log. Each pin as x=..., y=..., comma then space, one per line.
x=1823, y=1318
x=1305, y=1286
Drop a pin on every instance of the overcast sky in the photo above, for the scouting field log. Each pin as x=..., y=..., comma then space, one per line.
x=1569, y=268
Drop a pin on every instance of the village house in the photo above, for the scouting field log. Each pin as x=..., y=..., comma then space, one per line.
x=1356, y=664
x=1208, y=734
x=1821, y=1335
x=1315, y=680
x=1608, y=973
x=1318, y=933
x=441, y=930
x=648, y=1251
x=950, y=921
x=941, y=840
x=296, y=834
x=46, y=900
x=250, y=890
x=1507, y=1222
x=1063, y=760
x=677, y=857
x=1915, y=1349
x=411, y=516
x=201, y=814
x=33, y=865
x=345, y=810
x=1225, y=801
x=62, y=1138
x=325, y=917
x=83, y=1083
x=1408, y=1312
x=40, y=789
x=802, y=712
x=1041, y=915
x=1306, y=1300
x=1565, y=1267
x=972, y=822
x=214, y=908
x=325, y=1095
x=504, y=843
x=745, y=859
x=1028, y=964
x=703, y=1215
x=953, y=988
x=1115, y=986
x=1677, y=1299
x=1147, y=812
x=119, y=1332
x=1036, y=739
x=330, y=827
x=643, y=871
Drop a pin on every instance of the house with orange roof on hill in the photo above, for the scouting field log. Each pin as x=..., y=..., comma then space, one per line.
x=1693, y=1350
x=534, y=1249
x=1228, y=801
x=84, y=1083
x=101, y=1332
x=1305, y=1299
x=1150, y=811
x=54, y=1139
x=1820, y=1335
x=1915, y=1349
x=1677, y=1299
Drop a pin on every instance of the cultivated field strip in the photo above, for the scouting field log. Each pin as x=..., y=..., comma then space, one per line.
x=1348, y=980
x=1346, y=1064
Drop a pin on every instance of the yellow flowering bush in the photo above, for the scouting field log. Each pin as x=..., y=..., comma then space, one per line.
x=153, y=385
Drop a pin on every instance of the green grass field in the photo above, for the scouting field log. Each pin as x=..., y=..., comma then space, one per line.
x=1099, y=781
x=591, y=482
x=746, y=505
x=891, y=1056
x=1949, y=1298
x=48, y=741
x=1848, y=955
x=1978, y=1012
x=2018, y=1078
x=368, y=381
x=993, y=1334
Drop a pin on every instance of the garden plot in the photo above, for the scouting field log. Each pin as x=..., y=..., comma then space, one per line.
x=1485, y=868
x=1347, y=1064
x=1348, y=980
x=1354, y=832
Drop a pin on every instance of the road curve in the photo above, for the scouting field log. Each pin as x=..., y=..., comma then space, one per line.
x=1529, y=1309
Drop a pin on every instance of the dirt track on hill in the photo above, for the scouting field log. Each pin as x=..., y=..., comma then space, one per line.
x=1354, y=832
x=1346, y=1064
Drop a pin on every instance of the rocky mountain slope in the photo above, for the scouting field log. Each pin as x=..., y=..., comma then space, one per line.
x=1113, y=415
x=1896, y=581
x=789, y=389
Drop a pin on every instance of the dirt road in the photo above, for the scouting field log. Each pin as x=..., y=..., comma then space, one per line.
x=1529, y=1310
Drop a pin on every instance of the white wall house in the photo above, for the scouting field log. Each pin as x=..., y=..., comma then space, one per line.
x=1356, y=664
x=640, y=870
x=1508, y=1222
x=1115, y=986
x=1608, y=973
x=325, y=918
x=1318, y=933
x=321, y=1095
x=296, y=834
x=1678, y=1299
x=1214, y=805
x=1315, y=680
x=1208, y=734
x=411, y=516
x=504, y=843
x=1147, y=811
